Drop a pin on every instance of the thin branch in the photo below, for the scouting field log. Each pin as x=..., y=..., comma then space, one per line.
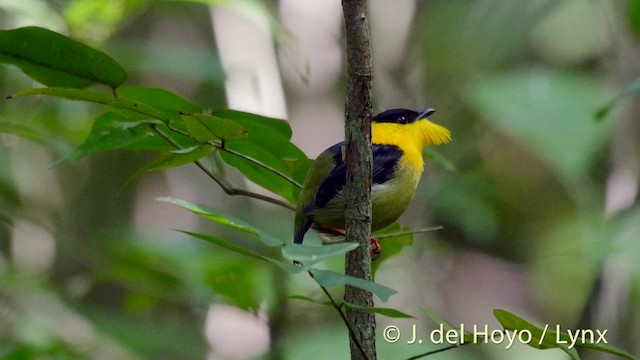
x=358, y=159
x=220, y=145
x=421, y=231
x=265, y=166
x=227, y=187
x=338, y=308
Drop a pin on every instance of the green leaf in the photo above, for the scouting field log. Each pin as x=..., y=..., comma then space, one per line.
x=204, y=127
x=392, y=313
x=540, y=338
x=177, y=158
x=254, y=121
x=164, y=100
x=119, y=103
x=269, y=146
x=112, y=132
x=328, y=278
x=56, y=60
x=225, y=219
x=309, y=255
x=244, y=251
x=550, y=112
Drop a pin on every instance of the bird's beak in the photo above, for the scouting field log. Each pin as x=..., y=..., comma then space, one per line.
x=426, y=112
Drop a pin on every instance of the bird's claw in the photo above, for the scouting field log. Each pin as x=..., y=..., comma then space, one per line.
x=375, y=249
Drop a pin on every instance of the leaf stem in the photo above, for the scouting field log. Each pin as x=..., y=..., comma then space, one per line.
x=227, y=187
x=220, y=145
x=338, y=308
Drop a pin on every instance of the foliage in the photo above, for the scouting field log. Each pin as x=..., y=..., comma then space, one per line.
x=545, y=111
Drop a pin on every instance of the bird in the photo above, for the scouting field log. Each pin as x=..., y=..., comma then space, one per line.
x=398, y=137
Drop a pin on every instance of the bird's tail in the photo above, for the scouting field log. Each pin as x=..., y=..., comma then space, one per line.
x=300, y=231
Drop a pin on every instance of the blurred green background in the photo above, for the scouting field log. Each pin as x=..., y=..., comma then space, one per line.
x=538, y=201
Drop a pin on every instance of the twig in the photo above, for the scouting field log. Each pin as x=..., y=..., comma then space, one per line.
x=220, y=146
x=338, y=308
x=358, y=159
x=227, y=187
x=421, y=231
x=265, y=166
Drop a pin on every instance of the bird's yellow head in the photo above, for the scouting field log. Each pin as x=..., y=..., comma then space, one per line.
x=410, y=130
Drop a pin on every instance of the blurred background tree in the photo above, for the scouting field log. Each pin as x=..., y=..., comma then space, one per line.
x=537, y=196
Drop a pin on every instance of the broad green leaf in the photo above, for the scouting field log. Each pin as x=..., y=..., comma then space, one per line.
x=110, y=132
x=244, y=251
x=328, y=278
x=392, y=313
x=119, y=103
x=254, y=121
x=170, y=104
x=390, y=245
x=113, y=132
x=204, y=127
x=540, y=338
x=56, y=60
x=225, y=219
x=309, y=255
x=177, y=158
x=269, y=146
x=159, y=98
x=551, y=112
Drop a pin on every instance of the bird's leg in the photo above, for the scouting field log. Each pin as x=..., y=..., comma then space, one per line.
x=375, y=248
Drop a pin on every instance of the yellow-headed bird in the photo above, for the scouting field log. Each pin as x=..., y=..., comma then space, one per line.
x=398, y=137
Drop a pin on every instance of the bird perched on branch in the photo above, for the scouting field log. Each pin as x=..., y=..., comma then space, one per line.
x=398, y=137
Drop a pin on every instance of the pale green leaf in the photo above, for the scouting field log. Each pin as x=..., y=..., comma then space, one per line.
x=309, y=255
x=328, y=279
x=227, y=220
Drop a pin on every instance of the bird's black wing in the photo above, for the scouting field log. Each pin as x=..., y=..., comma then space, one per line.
x=336, y=179
x=385, y=162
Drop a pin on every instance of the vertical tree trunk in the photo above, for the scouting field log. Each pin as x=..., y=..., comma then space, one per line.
x=358, y=187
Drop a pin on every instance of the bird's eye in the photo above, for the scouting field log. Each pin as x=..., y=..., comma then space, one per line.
x=403, y=119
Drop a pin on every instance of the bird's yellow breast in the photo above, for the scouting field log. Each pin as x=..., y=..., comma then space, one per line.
x=391, y=199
